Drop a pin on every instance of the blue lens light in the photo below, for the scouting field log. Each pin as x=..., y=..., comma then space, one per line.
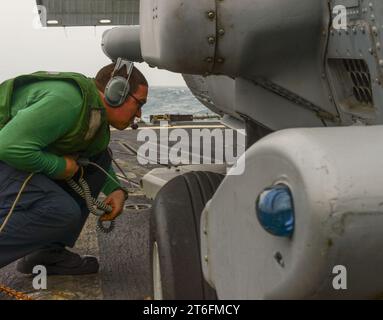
x=275, y=211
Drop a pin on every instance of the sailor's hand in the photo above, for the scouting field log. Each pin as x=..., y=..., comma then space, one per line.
x=116, y=200
x=71, y=168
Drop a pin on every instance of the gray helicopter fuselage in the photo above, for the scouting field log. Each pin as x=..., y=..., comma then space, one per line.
x=281, y=64
x=311, y=72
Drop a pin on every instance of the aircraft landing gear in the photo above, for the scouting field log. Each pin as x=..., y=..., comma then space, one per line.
x=175, y=237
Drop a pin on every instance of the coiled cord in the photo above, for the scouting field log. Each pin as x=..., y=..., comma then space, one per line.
x=83, y=190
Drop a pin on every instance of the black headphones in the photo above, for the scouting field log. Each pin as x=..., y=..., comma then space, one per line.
x=118, y=88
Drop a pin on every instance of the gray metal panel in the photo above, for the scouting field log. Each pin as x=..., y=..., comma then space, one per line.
x=338, y=218
x=360, y=42
x=122, y=42
x=90, y=12
x=274, y=49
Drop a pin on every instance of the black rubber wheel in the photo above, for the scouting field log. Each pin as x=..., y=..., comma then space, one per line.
x=175, y=237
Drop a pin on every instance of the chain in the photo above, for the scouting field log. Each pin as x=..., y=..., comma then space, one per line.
x=14, y=294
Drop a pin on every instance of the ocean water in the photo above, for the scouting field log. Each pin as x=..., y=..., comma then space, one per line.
x=172, y=100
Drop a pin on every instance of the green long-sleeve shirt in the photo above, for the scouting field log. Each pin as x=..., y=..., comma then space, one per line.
x=42, y=112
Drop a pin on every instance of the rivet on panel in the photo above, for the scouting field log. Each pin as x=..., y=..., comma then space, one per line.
x=211, y=15
x=211, y=40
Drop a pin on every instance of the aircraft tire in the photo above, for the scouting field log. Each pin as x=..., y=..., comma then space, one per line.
x=175, y=237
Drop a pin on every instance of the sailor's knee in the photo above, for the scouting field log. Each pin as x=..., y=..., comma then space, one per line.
x=68, y=210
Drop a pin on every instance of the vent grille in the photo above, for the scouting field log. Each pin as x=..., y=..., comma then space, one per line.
x=351, y=80
x=361, y=79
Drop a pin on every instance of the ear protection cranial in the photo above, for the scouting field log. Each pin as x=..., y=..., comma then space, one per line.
x=118, y=88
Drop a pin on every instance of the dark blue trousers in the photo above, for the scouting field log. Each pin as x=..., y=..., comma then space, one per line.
x=49, y=213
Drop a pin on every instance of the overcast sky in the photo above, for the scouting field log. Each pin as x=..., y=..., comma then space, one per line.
x=25, y=49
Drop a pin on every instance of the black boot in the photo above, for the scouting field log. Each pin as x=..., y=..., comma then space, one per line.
x=58, y=261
